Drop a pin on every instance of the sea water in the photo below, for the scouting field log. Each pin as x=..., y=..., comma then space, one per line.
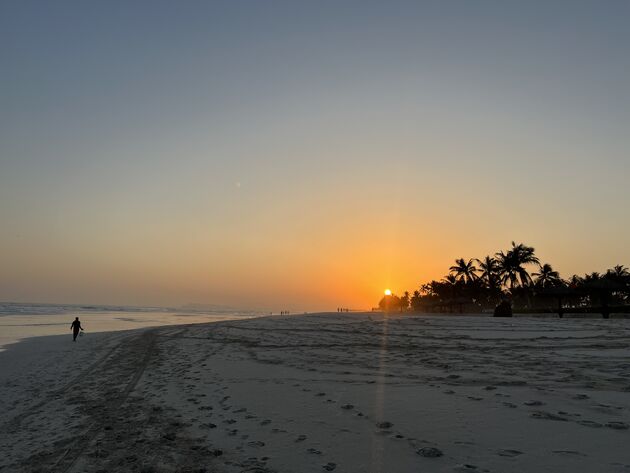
x=23, y=320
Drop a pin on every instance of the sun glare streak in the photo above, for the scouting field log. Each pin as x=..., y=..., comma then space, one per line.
x=379, y=402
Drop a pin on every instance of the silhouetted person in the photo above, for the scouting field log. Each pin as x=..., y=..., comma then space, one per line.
x=76, y=326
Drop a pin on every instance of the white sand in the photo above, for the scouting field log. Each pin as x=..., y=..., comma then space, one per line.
x=349, y=392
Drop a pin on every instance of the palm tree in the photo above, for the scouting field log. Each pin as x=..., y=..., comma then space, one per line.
x=591, y=278
x=449, y=287
x=489, y=271
x=416, y=300
x=404, y=301
x=575, y=281
x=490, y=292
x=620, y=276
x=618, y=273
x=546, y=277
x=464, y=270
x=449, y=280
x=511, y=265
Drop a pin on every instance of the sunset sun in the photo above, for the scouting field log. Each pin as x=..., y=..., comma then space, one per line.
x=388, y=292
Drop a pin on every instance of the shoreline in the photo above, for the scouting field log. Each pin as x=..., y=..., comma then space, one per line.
x=6, y=342
x=16, y=327
x=357, y=392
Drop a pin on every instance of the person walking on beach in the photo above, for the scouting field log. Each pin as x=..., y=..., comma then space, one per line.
x=76, y=326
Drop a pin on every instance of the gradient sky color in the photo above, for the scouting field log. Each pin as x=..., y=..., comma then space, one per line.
x=304, y=155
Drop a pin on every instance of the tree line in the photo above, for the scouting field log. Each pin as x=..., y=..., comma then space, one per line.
x=515, y=275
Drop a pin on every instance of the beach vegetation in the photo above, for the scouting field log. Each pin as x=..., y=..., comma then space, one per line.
x=516, y=276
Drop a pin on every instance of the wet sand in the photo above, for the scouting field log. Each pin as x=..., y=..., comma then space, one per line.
x=21, y=321
x=323, y=392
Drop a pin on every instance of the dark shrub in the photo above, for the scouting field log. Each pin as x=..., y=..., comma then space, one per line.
x=504, y=309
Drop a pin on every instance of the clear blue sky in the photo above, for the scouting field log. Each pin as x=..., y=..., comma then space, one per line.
x=310, y=152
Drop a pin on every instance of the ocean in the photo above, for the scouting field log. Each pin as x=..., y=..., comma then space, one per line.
x=24, y=320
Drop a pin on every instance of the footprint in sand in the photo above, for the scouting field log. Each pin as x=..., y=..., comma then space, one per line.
x=568, y=452
x=590, y=423
x=581, y=397
x=314, y=451
x=509, y=453
x=617, y=425
x=547, y=416
x=301, y=438
x=429, y=452
x=534, y=403
x=465, y=467
x=329, y=466
x=347, y=407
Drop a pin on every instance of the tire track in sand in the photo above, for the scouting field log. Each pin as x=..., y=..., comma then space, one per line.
x=13, y=424
x=74, y=452
x=97, y=393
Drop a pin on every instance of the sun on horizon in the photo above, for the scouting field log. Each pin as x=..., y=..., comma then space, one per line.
x=388, y=292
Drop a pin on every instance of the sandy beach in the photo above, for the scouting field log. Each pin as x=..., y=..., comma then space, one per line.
x=323, y=392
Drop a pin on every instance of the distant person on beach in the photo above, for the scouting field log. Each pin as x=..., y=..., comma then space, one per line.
x=76, y=326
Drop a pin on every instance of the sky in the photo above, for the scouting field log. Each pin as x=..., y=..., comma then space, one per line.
x=304, y=155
